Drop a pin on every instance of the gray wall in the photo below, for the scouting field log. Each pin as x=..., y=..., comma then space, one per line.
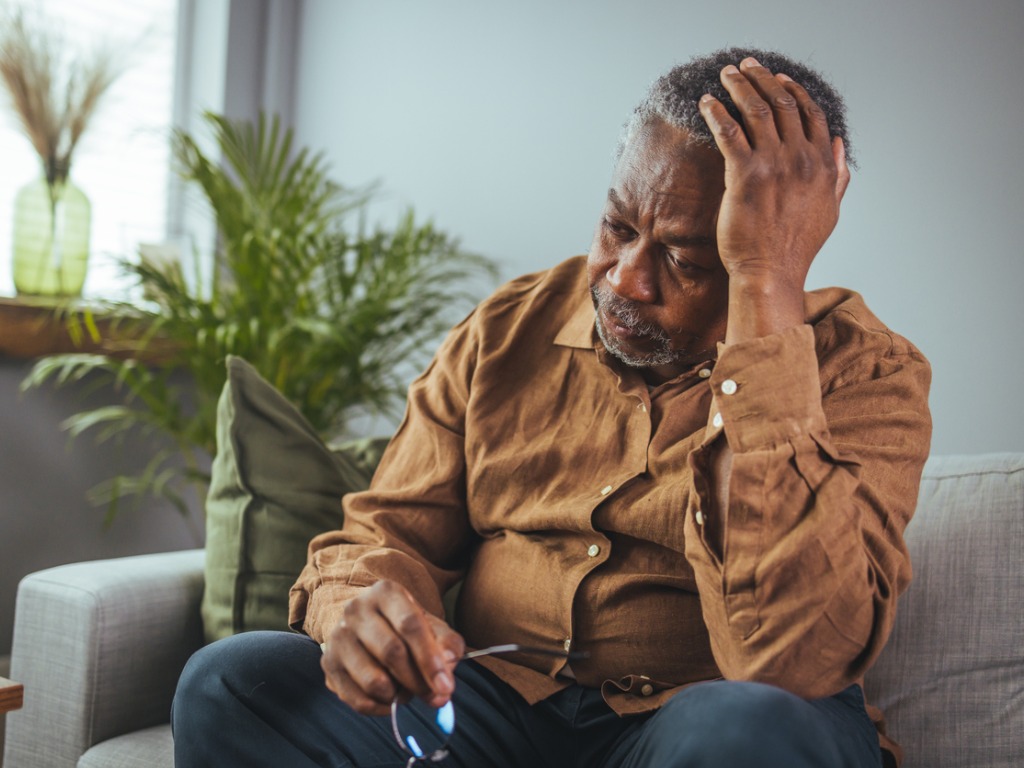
x=498, y=120
x=44, y=516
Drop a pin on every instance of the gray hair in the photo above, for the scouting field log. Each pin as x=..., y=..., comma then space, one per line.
x=673, y=97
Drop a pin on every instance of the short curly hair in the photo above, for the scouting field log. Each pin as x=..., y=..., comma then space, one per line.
x=673, y=97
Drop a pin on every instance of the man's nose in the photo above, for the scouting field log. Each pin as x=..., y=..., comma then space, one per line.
x=633, y=275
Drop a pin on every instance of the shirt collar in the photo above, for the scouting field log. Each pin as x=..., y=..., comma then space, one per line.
x=579, y=330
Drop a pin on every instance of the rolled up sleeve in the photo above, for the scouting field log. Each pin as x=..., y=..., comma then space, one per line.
x=411, y=526
x=824, y=478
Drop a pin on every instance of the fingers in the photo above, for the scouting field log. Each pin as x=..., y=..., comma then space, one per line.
x=454, y=647
x=411, y=651
x=776, y=111
x=346, y=688
x=769, y=110
x=813, y=120
x=387, y=646
x=728, y=134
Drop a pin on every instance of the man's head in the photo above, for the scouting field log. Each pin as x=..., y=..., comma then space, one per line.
x=673, y=97
x=659, y=287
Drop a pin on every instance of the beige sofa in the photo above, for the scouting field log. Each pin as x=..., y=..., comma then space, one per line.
x=99, y=645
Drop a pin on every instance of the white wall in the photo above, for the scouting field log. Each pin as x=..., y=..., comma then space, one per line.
x=498, y=120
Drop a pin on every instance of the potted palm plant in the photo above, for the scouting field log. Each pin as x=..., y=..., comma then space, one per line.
x=328, y=309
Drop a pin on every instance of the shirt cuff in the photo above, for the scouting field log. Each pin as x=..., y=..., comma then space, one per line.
x=766, y=391
x=323, y=612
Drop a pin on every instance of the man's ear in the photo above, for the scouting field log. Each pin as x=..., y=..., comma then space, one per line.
x=843, y=176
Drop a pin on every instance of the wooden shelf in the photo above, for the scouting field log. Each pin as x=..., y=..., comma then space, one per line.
x=31, y=328
x=12, y=695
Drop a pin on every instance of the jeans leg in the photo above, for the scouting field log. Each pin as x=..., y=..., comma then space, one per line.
x=259, y=699
x=751, y=725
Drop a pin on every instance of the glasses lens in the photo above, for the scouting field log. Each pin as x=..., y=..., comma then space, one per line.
x=423, y=730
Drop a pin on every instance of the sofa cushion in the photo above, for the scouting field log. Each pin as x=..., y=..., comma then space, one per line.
x=951, y=679
x=274, y=486
x=148, y=748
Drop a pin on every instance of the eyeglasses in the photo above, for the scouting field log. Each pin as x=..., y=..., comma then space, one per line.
x=424, y=732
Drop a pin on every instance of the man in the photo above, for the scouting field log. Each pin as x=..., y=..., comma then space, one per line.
x=667, y=457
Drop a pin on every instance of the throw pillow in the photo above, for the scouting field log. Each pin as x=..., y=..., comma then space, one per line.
x=274, y=486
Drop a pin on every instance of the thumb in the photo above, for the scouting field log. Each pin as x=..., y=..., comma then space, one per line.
x=452, y=649
x=452, y=644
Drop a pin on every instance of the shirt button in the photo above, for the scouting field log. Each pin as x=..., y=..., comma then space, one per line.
x=699, y=517
x=593, y=550
x=729, y=387
x=716, y=422
x=606, y=490
x=647, y=689
x=704, y=373
x=567, y=644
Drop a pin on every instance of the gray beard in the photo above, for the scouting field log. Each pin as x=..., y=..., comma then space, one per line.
x=628, y=316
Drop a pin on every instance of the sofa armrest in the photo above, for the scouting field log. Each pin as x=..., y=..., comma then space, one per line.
x=99, y=647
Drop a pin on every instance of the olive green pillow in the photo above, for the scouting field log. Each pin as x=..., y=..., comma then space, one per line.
x=274, y=486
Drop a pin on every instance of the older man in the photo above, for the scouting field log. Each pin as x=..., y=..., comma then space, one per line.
x=666, y=459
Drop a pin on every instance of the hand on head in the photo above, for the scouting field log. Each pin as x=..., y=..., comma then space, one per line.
x=784, y=175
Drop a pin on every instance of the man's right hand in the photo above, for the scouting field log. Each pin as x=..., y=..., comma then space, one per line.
x=388, y=646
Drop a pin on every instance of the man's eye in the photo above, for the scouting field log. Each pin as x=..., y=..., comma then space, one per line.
x=618, y=229
x=683, y=265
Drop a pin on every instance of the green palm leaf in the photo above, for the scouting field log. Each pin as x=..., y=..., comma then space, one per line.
x=334, y=314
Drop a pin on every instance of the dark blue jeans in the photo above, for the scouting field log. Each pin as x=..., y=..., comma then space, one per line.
x=258, y=699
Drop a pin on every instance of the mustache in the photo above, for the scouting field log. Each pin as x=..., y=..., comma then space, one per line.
x=627, y=313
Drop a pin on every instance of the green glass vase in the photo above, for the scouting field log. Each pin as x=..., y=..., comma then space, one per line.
x=51, y=239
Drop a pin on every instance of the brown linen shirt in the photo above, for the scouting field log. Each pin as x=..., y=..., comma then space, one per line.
x=571, y=499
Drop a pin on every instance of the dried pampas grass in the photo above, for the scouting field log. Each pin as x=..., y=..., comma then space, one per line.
x=53, y=92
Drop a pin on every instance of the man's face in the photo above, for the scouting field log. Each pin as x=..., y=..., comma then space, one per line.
x=659, y=288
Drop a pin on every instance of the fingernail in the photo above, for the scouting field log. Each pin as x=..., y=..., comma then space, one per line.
x=449, y=655
x=443, y=683
x=731, y=70
x=706, y=98
x=750, y=61
x=784, y=76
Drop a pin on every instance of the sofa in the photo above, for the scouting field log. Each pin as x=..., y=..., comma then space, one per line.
x=99, y=645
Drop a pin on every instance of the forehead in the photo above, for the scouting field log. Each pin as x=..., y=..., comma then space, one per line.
x=660, y=166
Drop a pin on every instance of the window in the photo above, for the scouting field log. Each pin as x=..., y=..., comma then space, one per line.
x=123, y=160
